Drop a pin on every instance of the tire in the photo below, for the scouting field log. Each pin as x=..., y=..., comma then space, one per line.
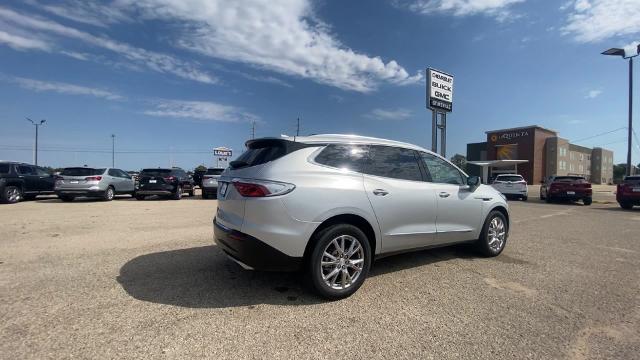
x=140, y=197
x=177, y=195
x=489, y=245
x=191, y=193
x=548, y=199
x=525, y=198
x=626, y=205
x=66, y=198
x=330, y=240
x=11, y=195
x=587, y=201
x=205, y=195
x=109, y=194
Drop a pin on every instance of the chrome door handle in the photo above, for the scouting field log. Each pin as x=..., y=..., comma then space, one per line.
x=444, y=194
x=380, y=192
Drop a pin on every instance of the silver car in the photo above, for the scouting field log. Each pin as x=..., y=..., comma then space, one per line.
x=331, y=204
x=102, y=183
x=210, y=182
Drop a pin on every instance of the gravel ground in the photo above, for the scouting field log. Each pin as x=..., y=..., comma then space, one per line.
x=134, y=279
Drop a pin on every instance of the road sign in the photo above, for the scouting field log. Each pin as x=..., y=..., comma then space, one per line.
x=222, y=151
x=439, y=91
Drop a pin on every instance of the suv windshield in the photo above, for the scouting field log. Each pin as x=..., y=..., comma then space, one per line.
x=4, y=168
x=155, y=172
x=214, y=171
x=509, y=178
x=81, y=171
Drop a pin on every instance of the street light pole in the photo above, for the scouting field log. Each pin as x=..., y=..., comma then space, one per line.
x=622, y=52
x=113, y=150
x=37, y=125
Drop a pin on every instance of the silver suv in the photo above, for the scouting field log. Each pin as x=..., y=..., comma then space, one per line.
x=102, y=183
x=210, y=182
x=330, y=204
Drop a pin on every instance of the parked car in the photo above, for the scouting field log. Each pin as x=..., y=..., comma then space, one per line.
x=103, y=183
x=209, y=184
x=570, y=188
x=511, y=185
x=20, y=181
x=330, y=204
x=628, y=192
x=197, y=177
x=171, y=183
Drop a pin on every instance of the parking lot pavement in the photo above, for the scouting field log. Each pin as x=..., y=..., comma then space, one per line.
x=132, y=279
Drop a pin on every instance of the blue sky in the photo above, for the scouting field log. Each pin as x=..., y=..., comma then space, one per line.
x=173, y=79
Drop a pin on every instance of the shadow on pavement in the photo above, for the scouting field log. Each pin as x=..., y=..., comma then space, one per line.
x=204, y=277
x=635, y=209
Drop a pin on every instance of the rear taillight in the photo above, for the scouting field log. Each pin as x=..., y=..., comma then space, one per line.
x=254, y=188
x=58, y=178
x=93, y=178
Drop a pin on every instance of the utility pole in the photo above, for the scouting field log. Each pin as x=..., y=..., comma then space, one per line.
x=37, y=125
x=253, y=129
x=298, y=128
x=113, y=150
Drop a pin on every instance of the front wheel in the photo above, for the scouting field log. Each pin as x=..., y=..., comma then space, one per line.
x=493, y=237
x=339, y=262
x=139, y=197
x=11, y=194
x=626, y=205
x=177, y=195
x=109, y=194
x=587, y=201
x=525, y=198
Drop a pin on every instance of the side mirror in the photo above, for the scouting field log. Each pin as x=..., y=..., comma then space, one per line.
x=473, y=181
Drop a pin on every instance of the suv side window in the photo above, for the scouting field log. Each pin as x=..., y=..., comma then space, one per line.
x=42, y=172
x=123, y=174
x=343, y=156
x=394, y=162
x=441, y=171
x=114, y=173
x=26, y=170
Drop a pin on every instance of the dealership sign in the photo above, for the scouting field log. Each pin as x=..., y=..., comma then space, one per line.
x=439, y=91
x=222, y=151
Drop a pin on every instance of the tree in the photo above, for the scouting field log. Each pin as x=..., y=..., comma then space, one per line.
x=201, y=168
x=460, y=161
x=619, y=171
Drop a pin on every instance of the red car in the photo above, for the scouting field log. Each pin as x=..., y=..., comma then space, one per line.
x=628, y=192
x=566, y=188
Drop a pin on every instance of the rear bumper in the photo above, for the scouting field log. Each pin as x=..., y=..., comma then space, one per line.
x=153, y=192
x=633, y=198
x=564, y=195
x=251, y=252
x=80, y=192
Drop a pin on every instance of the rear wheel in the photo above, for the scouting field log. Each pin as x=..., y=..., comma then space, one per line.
x=66, y=198
x=11, y=194
x=493, y=237
x=177, y=195
x=109, y=194
x=525, y=198
x=205, y=195
x=587, y=201
x=626, y=205
x=548, y=199
x=139, y=197
x=339, y=261
x=191, y=192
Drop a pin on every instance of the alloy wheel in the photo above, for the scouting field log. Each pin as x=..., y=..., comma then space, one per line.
x=13, y=194
x=342, y=262
x=497, y=234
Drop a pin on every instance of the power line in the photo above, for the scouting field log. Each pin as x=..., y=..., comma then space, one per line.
x=601, y=134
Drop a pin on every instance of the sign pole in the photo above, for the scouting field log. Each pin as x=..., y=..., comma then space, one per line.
x=443, y=134
x=434, y=131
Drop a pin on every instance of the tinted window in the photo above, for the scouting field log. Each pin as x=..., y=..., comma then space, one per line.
x=509, y=178
x=124, y=174
x=628, y=179
x=42, y=172
x=393, y=162
x=114, y=172
x=441, y=171
x=261, y=152
x=155, y=172
x=569, y=179
x=26, y=170
x=214, y=171
x=5, y=168
x=83, y=171
x=343, y=156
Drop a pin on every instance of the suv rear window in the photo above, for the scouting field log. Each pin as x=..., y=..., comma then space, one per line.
x=81, y=172
x=262, y=151
x=4, y=168
x=214, y=171
x=627, y=180
x=155, y=172
x=509, y=178
x=343, y=156
x=569, y=179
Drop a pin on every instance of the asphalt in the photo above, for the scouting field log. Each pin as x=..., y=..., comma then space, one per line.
x=142, y=279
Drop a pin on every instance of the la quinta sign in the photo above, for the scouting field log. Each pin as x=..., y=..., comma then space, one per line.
x=439, y=91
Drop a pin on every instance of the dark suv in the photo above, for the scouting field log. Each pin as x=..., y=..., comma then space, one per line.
x=197, y=176
x=164, y=182
x=20, y=181
x=628, y=193
x=570, y=188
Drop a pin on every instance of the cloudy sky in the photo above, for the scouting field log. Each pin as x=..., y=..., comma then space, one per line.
x=174, y=78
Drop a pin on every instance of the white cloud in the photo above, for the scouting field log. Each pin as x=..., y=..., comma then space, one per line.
x=389, y=114
x=18, y=42
x=595, y=20
x=200, y=110
x=499, y=9
x=592, y=94
x=152, y=60
x=84, y=12
x=284, y=36
x=62, y=88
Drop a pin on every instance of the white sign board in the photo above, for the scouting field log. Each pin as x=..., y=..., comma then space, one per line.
x=221, y=151
x=439, y=91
